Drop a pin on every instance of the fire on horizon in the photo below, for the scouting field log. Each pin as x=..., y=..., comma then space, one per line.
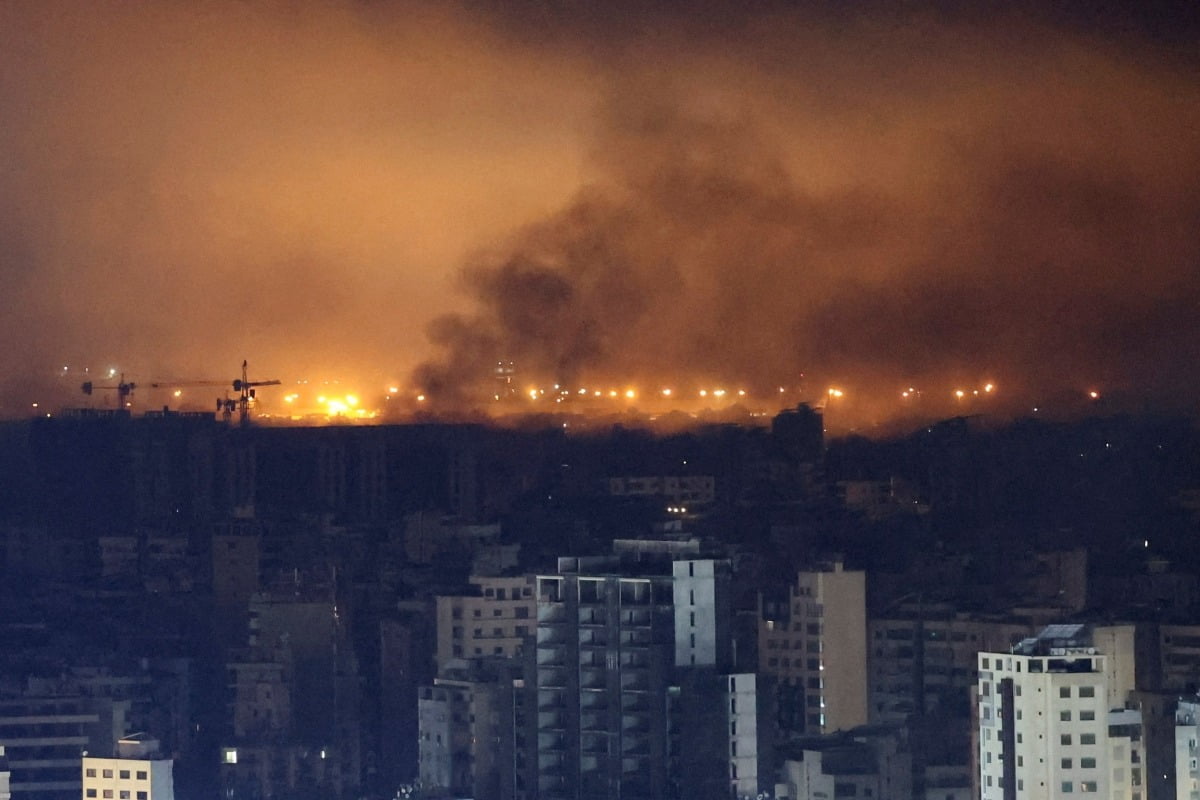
x=665, y=206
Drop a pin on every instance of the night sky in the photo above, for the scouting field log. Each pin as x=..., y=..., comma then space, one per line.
x=939, y=195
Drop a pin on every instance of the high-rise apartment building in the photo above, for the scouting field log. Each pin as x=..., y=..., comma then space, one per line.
x=1045, y=725
x=814, y=643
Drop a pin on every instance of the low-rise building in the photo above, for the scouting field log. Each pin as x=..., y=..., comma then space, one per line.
x=138, y=772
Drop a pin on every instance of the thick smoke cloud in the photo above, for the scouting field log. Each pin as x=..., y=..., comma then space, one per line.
x=937, y=204
x=870, y=197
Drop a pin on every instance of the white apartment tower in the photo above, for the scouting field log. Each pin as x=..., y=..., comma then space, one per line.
x=1045, y=726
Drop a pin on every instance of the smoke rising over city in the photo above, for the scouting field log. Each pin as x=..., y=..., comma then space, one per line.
x=876, y=200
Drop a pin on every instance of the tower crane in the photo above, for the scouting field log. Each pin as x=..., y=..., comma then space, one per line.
x=123, y=389
x=244, y=387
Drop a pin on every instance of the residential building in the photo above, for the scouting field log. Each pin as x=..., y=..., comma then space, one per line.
x=1044, y=722
x=814, y=642
x=494, y=620
x=43, y=735
x=138, y=772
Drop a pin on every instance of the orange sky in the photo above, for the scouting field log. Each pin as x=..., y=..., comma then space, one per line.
x=872, y=199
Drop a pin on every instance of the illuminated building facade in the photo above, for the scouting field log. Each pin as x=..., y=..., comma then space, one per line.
x=1045, y=728
x=138, y=772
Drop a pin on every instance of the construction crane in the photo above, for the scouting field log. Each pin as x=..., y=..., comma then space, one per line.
x=123, y=389
x=227, y=405
x=245, y=389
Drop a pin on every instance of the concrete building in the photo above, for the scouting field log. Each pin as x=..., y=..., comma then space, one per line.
x=923, y=659
x=1044, y=722
x=605, y=647
x=633, y=686
x=494, y=620
x=814, y=643
x=5, y=776
x=44, y=735
x=1187, y=750
x=138, y=772
x=466, y=731
x=868, y=762
x=676, y=490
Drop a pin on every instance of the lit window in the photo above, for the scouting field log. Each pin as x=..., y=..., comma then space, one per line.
x=229, y=755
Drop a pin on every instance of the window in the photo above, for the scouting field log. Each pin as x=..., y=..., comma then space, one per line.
x=1064, y=739
x=91, y=792
x=107, y=792
x=1087, y=763
x=123, y=794
x=143, y=796
x=1087, y=691
x=477, y=613
x=107, y=773
x=1087, y=738
x=522, y=612
x=1087, y=716
x=91, y=772
x=1066, y=763
x=1064, y=716
x=1067, y=787
x=1087, y=786
x=497, y=612
x=1064, y=691
x=141, y=775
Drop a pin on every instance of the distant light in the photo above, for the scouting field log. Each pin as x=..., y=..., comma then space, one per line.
x=583, y=391
x=112, y=371
x=351, y=400
x=612, y=392
x=704, y=393
x=393, y=389
x=989, y=387
x=630, y=393
x=835, y=392
x=718, y=393
x=533, y=395
x=1093, y=395
x=178, y=392
x=420, y=398
x=597, y=393
x=35, y=405
x=904, y=394
x=66, y=369
x=741, y=392
x=666, y=392
x=781, y=390
x=959, y=393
